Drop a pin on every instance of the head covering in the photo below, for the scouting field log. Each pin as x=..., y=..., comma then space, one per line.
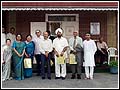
x=58, y=30
x=37, y=31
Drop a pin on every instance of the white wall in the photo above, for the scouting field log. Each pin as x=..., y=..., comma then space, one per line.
x=37, y=25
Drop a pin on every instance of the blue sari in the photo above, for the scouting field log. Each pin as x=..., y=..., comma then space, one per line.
x=30, y=47
x=18, y=61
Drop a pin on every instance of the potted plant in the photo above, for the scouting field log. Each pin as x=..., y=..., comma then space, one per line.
x=113, y=66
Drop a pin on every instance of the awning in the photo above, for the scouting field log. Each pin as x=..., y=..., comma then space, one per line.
x=60, y=8
x=104, y=6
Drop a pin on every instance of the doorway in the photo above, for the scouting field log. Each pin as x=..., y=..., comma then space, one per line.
x=68, y=22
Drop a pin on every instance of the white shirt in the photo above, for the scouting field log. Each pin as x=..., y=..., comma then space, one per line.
x=3, y=39
x=37, y=41
x=78, y=41
x=11, y=37
x=60, y=44
x=102, y=45
x=46, y=45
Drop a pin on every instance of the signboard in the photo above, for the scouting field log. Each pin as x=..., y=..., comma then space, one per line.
x=95, y=28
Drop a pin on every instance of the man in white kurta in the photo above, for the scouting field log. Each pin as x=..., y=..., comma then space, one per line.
x=3, y=36
x=90, y=48
x=59, y=45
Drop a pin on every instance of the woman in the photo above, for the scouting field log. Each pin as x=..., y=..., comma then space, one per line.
x=6, y=63
x=29, y=53
x=18, y=54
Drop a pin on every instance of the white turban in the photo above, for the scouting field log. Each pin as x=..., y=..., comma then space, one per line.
x=58, y=30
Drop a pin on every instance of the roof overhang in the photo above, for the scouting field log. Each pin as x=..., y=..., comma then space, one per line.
x=10, y=6
x=60, y=8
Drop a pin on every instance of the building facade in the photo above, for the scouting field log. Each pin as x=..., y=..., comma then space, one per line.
x=98, y=18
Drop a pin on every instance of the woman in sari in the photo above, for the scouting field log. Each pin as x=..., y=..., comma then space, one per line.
x=6, y=63
x=29, y=53
x=18, y=54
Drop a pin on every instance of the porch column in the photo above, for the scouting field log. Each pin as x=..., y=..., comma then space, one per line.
x=111, y=29
x=12, y=20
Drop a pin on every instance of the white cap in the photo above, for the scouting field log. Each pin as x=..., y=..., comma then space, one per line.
x=58, y=30
x=37, y=31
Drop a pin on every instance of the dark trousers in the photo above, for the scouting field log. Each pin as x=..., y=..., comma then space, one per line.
x=77, y=67
x=45, y=62
x=103, y=57
x=38, y=59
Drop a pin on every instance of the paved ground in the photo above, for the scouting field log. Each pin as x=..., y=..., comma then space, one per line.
x=101, y=80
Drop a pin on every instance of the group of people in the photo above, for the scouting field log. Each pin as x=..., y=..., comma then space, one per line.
x=15, y=50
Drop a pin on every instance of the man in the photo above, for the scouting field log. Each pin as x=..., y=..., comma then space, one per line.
x=37, y=41
x=90, y=48
x=102, y=51
x=45, y=49
x=51, y=53
x=76, y=48
x=3, y=37
x=60, y=45
x=50, y=36
x=11, y=35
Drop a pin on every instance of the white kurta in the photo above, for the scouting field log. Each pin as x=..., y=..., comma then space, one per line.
x=59, y=44
x=3, y=38
x=89, y=51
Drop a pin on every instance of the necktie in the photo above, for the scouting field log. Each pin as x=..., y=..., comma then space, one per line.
x=74, y=43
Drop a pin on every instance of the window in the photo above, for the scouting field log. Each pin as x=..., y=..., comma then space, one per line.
x=61, y=17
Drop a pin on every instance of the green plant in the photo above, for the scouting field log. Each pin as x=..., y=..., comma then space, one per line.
x=113, y=63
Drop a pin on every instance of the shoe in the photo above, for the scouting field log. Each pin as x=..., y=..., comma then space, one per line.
x=19, y=78
x=105, y=62
x=43, y=77
x=38, y=74
x=10, y=78
x=3, y=80
x=63, y=78
x=49, y=78
x=78, y=76
x=73, y=76
x=91, y=78
x=57, y=77
x=87, y=78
